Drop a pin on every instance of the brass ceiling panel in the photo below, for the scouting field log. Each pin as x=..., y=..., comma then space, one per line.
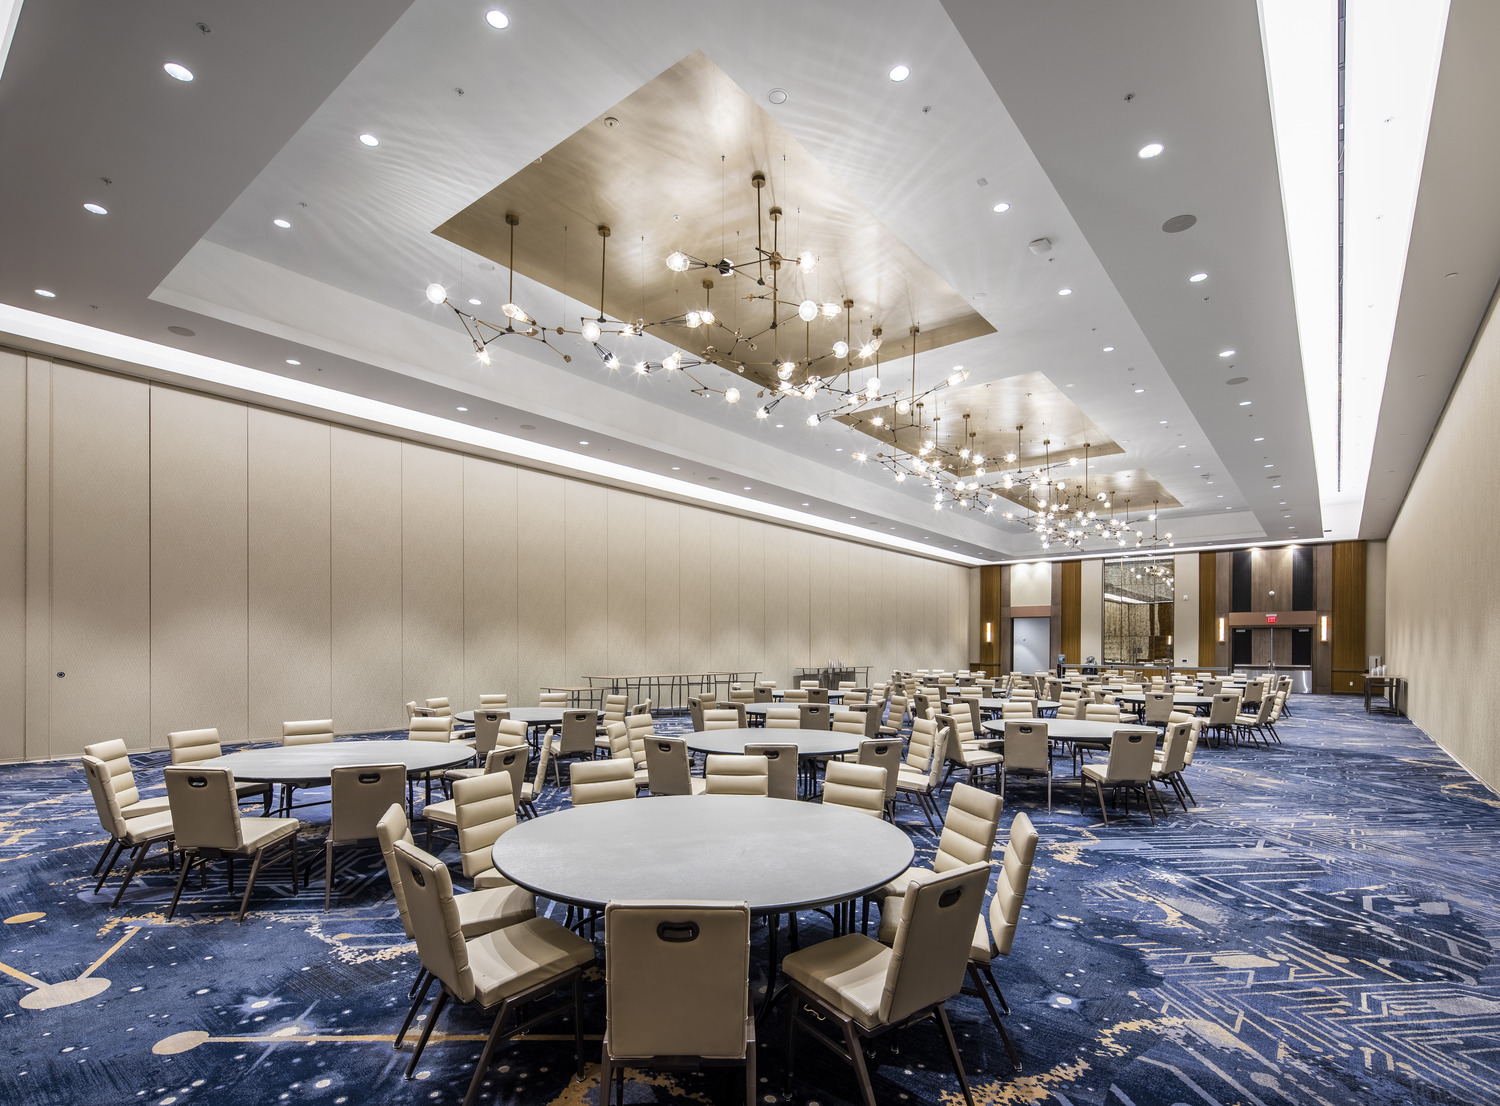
x=673, y=173
x=1030, y=401
x=1135, y=490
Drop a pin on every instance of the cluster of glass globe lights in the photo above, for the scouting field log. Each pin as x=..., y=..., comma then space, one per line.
x=1056, y=515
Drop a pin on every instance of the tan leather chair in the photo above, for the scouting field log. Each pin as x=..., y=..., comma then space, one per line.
x=1018, y=708
x=964, y=750
x=209, y=826
x=781, y=761
x=315, y=731
x=1028, y=752
x=487, y=729
x=639, y=728
x=515, y=754
x=796, y=695
x=616, y=707
x=495, y=700
x=486, y=809
x=361, y=794
x=1131, y=757
x=886, y=755
x=668, y=770
x=440, y=705
x=968, y=837
x=783, y=718
x=866, y=989
x=697, y=704
x=576, y=742
x=139, y=832
x=602, y=781
x=1168, y=764
x=763, y=694
x=122, y=780
x=1102, y=712
x=432, y=727
x=817, y=695
x=1222, y=713
x=498, y=970
x=918, y=779
x=558, y=699
x=895, y=717
x=196, y=746
x=857, y=786
x=623, y=749
x=723, y=719
x=1158, y=708
x=847, y=721
x=532, y=790
x=676, y=990
x=814, y=716
x=995, y=938
x=740, y=694
x=733, y=774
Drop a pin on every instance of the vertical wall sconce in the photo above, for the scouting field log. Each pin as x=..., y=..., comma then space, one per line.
x=989, y=633
x=1221, y=631
x=1323, y=627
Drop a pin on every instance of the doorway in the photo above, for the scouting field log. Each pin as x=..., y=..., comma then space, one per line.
x=1030, y=644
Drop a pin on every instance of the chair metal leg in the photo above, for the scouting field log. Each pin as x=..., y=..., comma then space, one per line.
x=294, y=863
x=411, y=991
x=958, y=1064
x=249, y=884
x=113, y=854
x=1100, y=790
x=432, y=1017
x=327, y=872
x=1183, y=780
x=425, y=979
x=984, y=994
x=578, y=1024
x=606, y=1075
x=108, y=849
x=138, y=855
x=488, y=1053
x=857, y=1058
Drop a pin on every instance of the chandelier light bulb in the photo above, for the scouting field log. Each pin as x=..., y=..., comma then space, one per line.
x=903, y=407
x=831, y=310
x=812, y=420
x=590, y=331
x=807, y=311
x=510, y=309
x=678, y=261
x=858, y=456
x=979, y=471
x=807, y=261
x=642, y=368
x=785, y=369
x=611, y=362
x=732, y=395
x=693, y=319
x=672, y=361
x=436, y=293
x=761, y=413
x=875, y=343
x=1010, y=458
x=872, y=387
x=958, y=376
x=878, y=421
x=900, y=477
x=706, y=317
x=483, y=355
x=841, y=349
x=964, y=453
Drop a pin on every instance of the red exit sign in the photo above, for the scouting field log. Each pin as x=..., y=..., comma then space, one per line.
x=1270, y=618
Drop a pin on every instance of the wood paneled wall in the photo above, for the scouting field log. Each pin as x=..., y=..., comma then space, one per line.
x=187, y=561
x=1348, y=628
x=990, y=615
x=1071, y=581
x=1208, y=619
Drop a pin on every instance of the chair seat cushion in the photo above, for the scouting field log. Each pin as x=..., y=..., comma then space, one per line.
x=848, y=973
x=257, y=833
x=1099, y=773
x=243, y=789
x=976, y=756
x=909, y=779
x=151, y=827
x=445, y=813
x=980, y=949
x=462, y=773
x=494, y=907
x=158, y=806
x=511, y=960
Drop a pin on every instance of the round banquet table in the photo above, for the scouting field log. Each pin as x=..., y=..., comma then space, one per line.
x=532, y=716
x=984, y=704
x=1072, y=729
x=775, y=854
x=1194, y=701
x=758, y=710
x=810, y=743
x=311, y=765
x=833, y=696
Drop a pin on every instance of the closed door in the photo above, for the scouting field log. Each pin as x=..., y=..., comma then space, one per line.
x=1030, y=644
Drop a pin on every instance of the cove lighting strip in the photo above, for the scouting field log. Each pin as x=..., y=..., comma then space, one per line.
x=88, y=340
x=1392, y=52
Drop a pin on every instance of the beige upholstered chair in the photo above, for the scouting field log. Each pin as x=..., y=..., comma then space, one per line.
x=921, y=705
x=1168, y=764
x=1102, y=712
x=1028, y=752
x=964, y=750
x=763, y=694
x=668, y=770
x=139, y=832
x=485, y=809
x=498, y=970
x=848, y=721
x=739, y=694
x=726, y=718
x=196, y=746
x=361, y=796
x=434, y=727
x=895, y=719
x=208, y=826
x=783, y=718
x=557, y=699
x=623, y=749
x=1018, y=708
x=494, y=700
x=413, y=708
x=796, y=695
x=1158, y=708
x=510, y=759
x=579, y=729
x=1222, y=713
x=639, y=727
x=602, y=781
x=315, y=731
x=928, y=746
x=676, y=990
x=616, y=707
x=122, y=780
x=696, y=705
x=968, y=837
x=643, y=707
x=732, y=774
x=814, y=716
x=440, y=705
x=885, y=755
x=532, y=789
x=866, y=989
x=1252, y=725
x=995, y=936
x=858, y=786
x=781, y=761
x=1131, y=757
x=487, y=729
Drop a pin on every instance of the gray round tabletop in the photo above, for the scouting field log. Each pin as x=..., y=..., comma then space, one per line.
x=1177, y=700
x=810, y=743
x=776, y=854
x=1071, y=729
x=984, y=704
x=312, y=764
x=532, y=716
x=833, y=696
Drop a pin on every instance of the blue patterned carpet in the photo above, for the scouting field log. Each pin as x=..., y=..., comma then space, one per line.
x=1318, y=931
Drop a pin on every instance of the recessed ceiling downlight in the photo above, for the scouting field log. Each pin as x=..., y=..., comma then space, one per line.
x=1149, y=150
x=178, y=72
x=1226, y=353
x=1002, y=206
x=282, y=223
x=95, y=209
x=900, y=73
x=45, y=294
x=1065, y=291
x=369, y=140
x=293, y=361
x=1197, y=278
x=497, y=19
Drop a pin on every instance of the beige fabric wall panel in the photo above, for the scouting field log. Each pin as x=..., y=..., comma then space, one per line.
x=540, y=612
x=586, y=564
x=365, y=581
x=1185, y=608
x=625, y=545
x=751, y=651
x=1030, y=584
x=101, y=560
x=489, y=580
x=290, y=571
x=199, y=572
x=38, y=529
x=695, y=581
x=820, y=598
x=432, y=573
x=777, y=664
x=724, y=591
x=1442, y=592
x=799, y=603
x=1091, y=613
x=663, y=587
x=13, y=551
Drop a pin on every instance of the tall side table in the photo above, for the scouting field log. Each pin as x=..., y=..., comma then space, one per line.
x=1390, y=688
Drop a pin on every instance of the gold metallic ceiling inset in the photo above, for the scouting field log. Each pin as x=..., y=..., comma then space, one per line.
x=668, y=168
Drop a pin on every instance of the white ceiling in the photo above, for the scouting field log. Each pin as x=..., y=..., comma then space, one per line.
x=1028, y=97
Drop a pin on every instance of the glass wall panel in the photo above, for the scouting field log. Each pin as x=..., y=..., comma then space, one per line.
x=1138, y=609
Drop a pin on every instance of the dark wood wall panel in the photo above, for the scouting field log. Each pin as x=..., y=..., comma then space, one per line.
x=1223, y=602
x=1208, y=629
x=1072, y=611
x=1348, y=632
x=1055, y=630
x=1004, y=627
x=1323, y=587
x=990, y=610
